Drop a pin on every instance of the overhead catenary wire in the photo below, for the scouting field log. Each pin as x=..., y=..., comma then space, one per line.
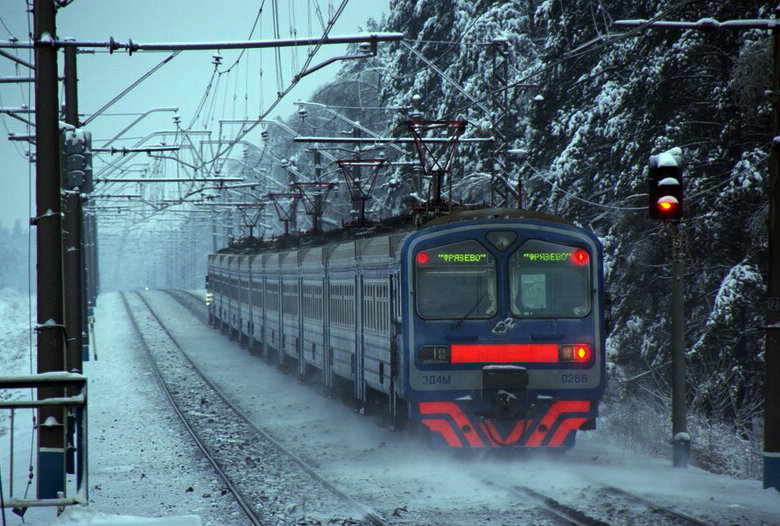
x=251, y=34
x=6, y=27
x=130, y=87
x=277, y=51
x=324, y=38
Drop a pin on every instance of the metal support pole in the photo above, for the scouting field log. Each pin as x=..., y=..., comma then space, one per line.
x=360, y=203
x=95, y=262
x=680, y=439
x=71, y=87
x=73, y=286
x=499, y=188
x=50, y=327
x=772, y=355
x=214, y=233
x=84, y=279
x=317, y=217
x=73, y=261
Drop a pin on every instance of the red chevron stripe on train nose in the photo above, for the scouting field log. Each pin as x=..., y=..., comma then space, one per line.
x=463, y=424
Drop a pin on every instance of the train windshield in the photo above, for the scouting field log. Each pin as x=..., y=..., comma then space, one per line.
x=548, y=280
x=456, y=281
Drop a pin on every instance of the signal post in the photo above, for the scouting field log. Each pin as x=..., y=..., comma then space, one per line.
x=772, y=354
x=665, y=202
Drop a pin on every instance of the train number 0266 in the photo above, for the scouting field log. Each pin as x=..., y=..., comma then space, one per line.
x=574, y=378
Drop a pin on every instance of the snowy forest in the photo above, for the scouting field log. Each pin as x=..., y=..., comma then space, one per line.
x=588, y=103
x=14, y=261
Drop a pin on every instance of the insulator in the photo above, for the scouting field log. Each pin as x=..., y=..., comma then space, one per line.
x=264, y=135
x=302, y=112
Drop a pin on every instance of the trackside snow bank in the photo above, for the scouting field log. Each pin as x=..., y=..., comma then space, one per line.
x=142, y=466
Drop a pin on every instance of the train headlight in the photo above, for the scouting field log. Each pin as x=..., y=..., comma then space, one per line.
x=434, y=354
x=579, y=353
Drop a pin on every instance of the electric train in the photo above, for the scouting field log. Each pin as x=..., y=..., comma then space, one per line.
x=484, y=328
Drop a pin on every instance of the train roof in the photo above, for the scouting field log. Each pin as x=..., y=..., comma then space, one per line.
x=392, y=226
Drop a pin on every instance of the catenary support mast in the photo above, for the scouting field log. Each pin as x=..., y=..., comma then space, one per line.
x=50, y=327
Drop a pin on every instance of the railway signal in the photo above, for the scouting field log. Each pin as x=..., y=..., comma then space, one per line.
x=665, y=186
x=76, y=147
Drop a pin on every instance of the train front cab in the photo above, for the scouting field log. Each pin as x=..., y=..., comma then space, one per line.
x=503, y=333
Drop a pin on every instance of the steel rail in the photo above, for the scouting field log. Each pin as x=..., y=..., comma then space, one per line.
x=370, y=514
x=555, y=508
x=245, y=507
x=655, y=507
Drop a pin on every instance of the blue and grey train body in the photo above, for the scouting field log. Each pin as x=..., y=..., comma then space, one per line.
x=485, y=328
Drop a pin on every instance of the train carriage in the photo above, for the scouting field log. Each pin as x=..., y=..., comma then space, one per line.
x=234, y=312
x=212, y=285
x=312, y=276
x=221, y=290
x=378, y=268
x=342, y=341
x=272, y=336
x=244, y=278
x=256, y=301
x=290, y=326
x=485, y=328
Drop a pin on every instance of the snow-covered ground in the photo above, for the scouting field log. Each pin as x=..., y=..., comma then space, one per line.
x=141, y=465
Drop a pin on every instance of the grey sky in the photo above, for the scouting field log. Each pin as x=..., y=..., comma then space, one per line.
x=181, y=83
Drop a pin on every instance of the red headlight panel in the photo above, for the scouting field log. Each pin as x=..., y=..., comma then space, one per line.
x=505, y=353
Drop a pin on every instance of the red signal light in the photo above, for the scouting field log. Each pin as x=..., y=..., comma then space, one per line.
x=422, y=258
x=580, y=257
x=667, y=204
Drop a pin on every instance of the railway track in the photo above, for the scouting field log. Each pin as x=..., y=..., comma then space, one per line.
x=619, y=506
x=656, y=509
x=250, y=514
x=616, y=506
x=654, y=512
x=271, y=484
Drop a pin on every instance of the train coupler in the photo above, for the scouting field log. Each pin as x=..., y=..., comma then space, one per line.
x=504, y=394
